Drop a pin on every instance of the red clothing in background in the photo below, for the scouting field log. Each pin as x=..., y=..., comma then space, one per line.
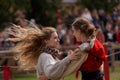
x=118, y=36
x=100, y=36
x=6, y=72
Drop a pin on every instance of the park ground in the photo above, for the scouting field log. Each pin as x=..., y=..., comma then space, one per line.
x=32, y=76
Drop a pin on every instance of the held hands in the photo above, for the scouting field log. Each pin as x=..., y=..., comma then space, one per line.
x=73, y=55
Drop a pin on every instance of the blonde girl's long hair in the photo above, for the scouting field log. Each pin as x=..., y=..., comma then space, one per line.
x=30, y=43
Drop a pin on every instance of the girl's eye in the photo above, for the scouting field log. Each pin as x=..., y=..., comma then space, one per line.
x=56, y=38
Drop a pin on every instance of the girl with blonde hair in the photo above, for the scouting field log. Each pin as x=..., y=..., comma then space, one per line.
x=38, y=48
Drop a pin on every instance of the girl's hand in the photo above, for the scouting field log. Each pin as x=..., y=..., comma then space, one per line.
x=73, y=55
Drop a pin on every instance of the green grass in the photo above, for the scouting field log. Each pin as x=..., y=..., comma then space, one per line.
x=72, y=77
x=25, y=77
x=33, y=77
x=113, y=76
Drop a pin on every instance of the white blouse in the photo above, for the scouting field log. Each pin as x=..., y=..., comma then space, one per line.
x=52, y=68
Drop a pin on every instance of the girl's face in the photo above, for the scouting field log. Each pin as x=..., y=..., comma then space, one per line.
x=76, y=33
x=109, y=27
x=54, y=40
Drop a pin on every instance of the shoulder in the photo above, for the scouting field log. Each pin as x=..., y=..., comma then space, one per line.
x=44, y=56
x=97, y=45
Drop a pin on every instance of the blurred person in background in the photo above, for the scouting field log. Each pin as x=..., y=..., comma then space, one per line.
x=99, y=34
x=69, y=17
x=68, y=41
x=21, y=22
x=102, y=17
x=109, y=18
x=109, y=33
x=95, y=17
x=86, y=14
x=117, y=30
x=110, y=38
x=114, y=15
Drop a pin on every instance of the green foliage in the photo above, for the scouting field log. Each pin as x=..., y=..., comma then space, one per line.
x=8, y=9
x=44, y=11
x=113, y=76
x=25, y=77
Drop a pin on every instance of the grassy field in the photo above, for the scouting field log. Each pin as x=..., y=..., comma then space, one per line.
x=113, y=76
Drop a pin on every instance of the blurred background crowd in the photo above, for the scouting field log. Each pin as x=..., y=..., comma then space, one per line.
x=105, y=15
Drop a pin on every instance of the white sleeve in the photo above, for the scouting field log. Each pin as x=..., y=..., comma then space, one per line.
x=84, y=46
x=53, y=69
x=87, y=45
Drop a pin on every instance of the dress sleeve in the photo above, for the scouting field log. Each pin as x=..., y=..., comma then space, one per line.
x=53, y=69
x=98, y=51
x=101, y=54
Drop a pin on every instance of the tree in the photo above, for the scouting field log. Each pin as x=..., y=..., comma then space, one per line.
x=8, y=9
x=44, y=11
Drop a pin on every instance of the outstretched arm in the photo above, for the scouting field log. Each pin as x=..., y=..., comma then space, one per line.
x=54, y=69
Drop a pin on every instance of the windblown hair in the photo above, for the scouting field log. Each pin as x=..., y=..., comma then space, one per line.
x=31, y=42
x=85, y=26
